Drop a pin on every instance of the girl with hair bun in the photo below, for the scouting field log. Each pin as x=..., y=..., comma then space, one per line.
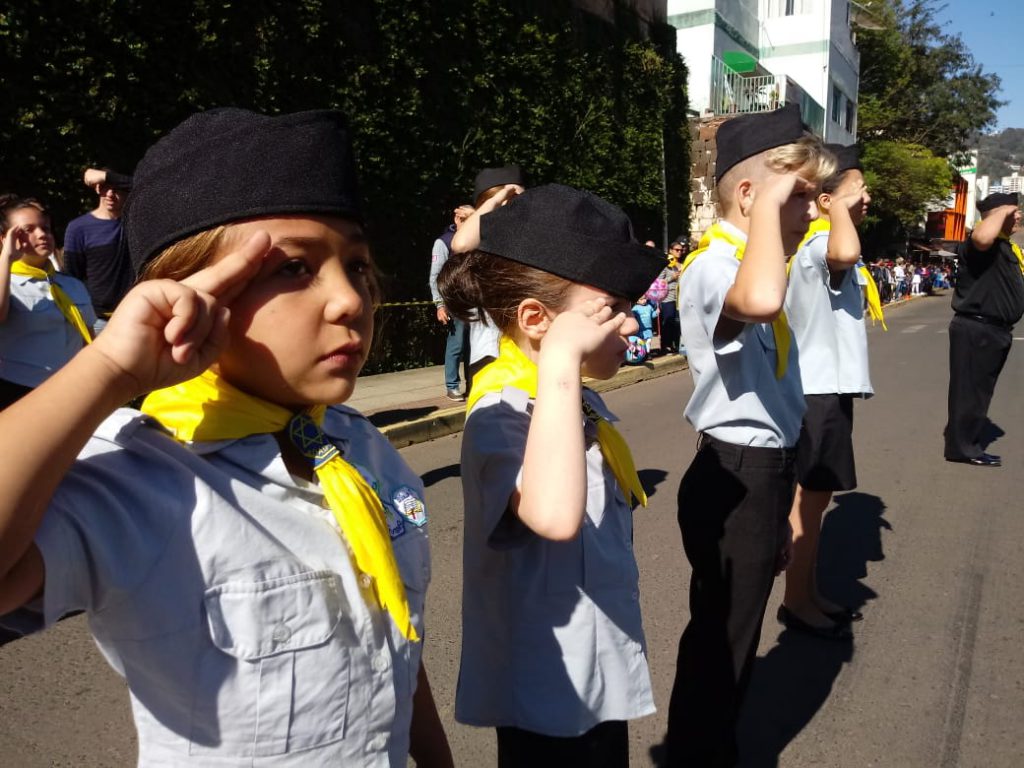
x=553, y=651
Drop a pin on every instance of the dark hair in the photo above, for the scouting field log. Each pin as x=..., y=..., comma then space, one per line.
x=477, y=282
x=10, y=202
x=833, y=182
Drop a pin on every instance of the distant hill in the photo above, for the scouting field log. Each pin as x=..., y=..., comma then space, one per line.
x=1001, y=153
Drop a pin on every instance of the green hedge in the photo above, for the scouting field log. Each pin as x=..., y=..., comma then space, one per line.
x=435, y=89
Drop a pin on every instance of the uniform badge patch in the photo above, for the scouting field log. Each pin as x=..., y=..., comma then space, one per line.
x=396, y=523
x=410, y=506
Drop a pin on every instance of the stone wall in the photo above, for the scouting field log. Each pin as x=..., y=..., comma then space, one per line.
x=704, y=208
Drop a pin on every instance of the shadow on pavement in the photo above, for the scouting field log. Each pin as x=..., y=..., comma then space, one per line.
x=794, y=679
x=441, y=473
x=650, y=479
x=396, y=415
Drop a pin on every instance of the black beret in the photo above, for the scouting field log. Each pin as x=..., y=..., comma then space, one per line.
x=747, y=135
x=230, y=164
x=496, y=177
x=998, y=199
x=847, y=157
x=575, y=235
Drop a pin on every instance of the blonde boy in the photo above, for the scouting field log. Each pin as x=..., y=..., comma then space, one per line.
x=747, y=405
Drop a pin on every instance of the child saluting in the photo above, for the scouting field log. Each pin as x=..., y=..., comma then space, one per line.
x=252, y=558
x=747, y=405
x=553, y=651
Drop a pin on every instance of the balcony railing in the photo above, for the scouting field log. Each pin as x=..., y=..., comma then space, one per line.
x=734, y=93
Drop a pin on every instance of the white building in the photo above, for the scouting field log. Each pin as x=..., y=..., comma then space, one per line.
x=1013, y=183
x=756, y=55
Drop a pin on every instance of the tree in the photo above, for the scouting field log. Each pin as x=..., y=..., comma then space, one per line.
x=923, y=99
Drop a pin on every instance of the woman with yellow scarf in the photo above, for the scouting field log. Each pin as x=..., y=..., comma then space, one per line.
x=45, y=317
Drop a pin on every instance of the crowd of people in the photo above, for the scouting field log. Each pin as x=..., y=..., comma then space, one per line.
x=253, y=555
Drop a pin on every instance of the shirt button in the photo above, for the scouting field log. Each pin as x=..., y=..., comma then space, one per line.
x=380, y=662
x=377, y=743
x=636, y=595
x=281, y=633
x=365, y=580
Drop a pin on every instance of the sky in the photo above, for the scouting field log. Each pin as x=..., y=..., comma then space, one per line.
x=994, y=32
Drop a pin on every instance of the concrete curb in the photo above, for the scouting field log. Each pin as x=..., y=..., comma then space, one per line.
x=451, y=420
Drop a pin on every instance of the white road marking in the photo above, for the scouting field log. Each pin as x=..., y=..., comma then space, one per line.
x=913, y=328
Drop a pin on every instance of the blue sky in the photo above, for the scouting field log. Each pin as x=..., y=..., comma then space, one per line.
x=994, y=32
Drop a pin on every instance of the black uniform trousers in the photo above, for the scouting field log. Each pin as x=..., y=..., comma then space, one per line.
x=977, y=353
x=734, y=502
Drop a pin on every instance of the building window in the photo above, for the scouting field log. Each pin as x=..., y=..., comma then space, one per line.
x=777, y=8
x=789, y=7
x=851, y=114
x=837, y=104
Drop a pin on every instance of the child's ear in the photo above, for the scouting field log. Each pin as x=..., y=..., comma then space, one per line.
x=743, y=196
x=825, y=202
x=533, y=318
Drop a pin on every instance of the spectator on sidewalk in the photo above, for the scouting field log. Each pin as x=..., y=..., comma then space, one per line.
x=92, y=244
x=669, y=317
x=492, y=188
x=456, y=350
x=45, y=316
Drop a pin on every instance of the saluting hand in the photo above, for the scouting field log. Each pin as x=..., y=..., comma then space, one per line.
x=588, y=331
x=165, y=332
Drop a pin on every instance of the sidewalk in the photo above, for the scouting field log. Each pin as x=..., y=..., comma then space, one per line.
x=410, y=407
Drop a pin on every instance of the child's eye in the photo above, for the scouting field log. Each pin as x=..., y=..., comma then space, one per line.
x=294, y=268
x=359, y=266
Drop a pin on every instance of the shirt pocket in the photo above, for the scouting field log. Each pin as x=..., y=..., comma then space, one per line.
x=275, y=677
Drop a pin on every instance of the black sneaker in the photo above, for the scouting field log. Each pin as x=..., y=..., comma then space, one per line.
x=454, y=394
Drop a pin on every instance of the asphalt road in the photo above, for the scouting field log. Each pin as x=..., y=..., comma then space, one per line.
x=929, y=550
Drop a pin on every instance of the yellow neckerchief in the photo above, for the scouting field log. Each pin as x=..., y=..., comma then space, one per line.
x=1016, y=251
x=62, y=300
x=208, y=408
x=870, y=287
x=512, y=368
x=780, y=325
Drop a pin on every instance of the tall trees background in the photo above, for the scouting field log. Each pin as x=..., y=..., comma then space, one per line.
x=923, y=102
x=435, y=89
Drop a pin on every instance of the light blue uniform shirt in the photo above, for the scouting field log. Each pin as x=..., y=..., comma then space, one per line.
x=827, y=323
x=36, y=339
x=736, y=397
x=552, y=640
x=220, y=588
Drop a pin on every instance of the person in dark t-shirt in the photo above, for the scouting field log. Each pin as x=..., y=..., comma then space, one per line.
x=92, y=244
x=987, y=302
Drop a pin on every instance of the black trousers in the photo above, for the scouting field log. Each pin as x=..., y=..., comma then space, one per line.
x=606, y=745
x=977, y=353
x=11, y=393
x=734, y=502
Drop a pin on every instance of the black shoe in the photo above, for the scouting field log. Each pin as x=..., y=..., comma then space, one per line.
x=981, y=460
x=844, y=615
x=454, y=394
x=837, y=631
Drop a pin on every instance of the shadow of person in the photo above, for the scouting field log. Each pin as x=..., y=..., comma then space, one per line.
x=441, y=473
x=794, y=679
x=650, y=479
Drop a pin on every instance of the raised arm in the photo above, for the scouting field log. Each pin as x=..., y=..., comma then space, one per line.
x=843, y=250
x=553, y=497
x=467, y=238
x=8, y=255
x=162, y=333
x=992, y=226
x=759, y=291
